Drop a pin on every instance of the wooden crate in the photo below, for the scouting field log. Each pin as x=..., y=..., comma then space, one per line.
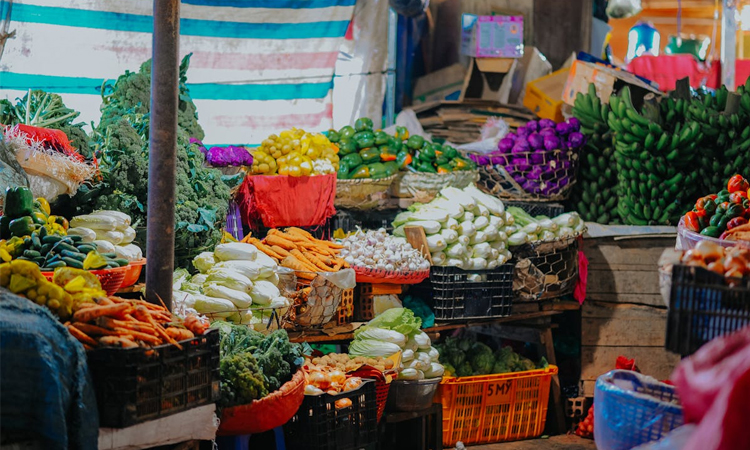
x=624, y=313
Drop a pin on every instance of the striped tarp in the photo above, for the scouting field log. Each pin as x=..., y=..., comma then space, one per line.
x=258, y=66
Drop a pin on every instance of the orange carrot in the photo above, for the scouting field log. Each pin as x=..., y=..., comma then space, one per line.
x=103, y=301
x=273, y=239
x=303, y=259
x=94, y=330
x=179, y=334
x=147, y=338
x=87, y=347
x=265, y=249
x=312, y=257
x=143, y=314
x=89, y=314
x=134, y=325
x=302, y=271
x=117, y=341
x=280, y=251
x=81, y=336
x=300, y=232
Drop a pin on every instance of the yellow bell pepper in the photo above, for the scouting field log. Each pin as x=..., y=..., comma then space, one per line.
x=94, y=260
x=44, y=205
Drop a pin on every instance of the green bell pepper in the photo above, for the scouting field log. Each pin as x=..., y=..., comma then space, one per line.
x=415, y=142
x=347, y=132
x=387, y=153
x=444, y=168
x=395, y=144
x=402, y=133
x=425, y=166
x=333, y=136
x=449, y=152
x=715, y=219
x=347, y=146
x=382, y=138
x=360, y=172
x=363, y=123
x=364, y=139
x=23, y=226
x=722, y=196
x=343, y=172
x=391, y=167
x=4, y=227
x=427, y=153
x=461, y=163
x=18, y=202
x=370, y=155
x=735, y=210
x=711, y=231
x=377, y=170
x=352, y=160
x=403, y=159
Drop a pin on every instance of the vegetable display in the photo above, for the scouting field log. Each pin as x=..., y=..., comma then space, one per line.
x=466, y=357
x=376, y=249
x=465, y=228
x=532, y=230
x=732, y=262
x=655, y=153
x=342, y=362
x=108, y=232
x=295, y=153
x=238, y=283
x=296, y=249
x=398, y=330
x=718, y=215
x=594, y=196
x=366, y=153
x=252, y=364
x=225, y=156
x=541, y=156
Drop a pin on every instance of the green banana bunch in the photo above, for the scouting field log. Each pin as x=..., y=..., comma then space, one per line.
x=594, y=196
x=654, y=153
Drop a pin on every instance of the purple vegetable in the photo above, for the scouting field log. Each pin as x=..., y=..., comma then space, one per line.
x=574, y=123
x=551, y=142
x=519, y=178
x=228, y=156
x=546, y=124
x=511, y=136
x=523, y=132
x=576, y=139
x=550, y=188
x=505, y=145
x=499, y=160
x=536, y=141
x=481, y=160
x=537, y=158
x=521, y=146
x=562, y=128
x=548, y=173
x=548, y=132
x=532, y=125
x=531, y=187
x=521, y=164
x=535, y=173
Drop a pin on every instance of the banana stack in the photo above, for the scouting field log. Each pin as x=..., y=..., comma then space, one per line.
x=594, y=196
x=724, y=150
x=654, y=153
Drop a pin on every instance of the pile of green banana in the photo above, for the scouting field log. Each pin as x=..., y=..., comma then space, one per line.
x=655, y=153
x=594, y=196
x=724, y=150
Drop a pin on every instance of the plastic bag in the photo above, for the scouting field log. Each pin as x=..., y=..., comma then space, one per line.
x=675, y=440
x=714, y=385
x=622, y=9
x=11, y=172
x=492, y=131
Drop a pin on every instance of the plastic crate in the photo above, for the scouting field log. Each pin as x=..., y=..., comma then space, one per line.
x=471, y=294
x=540, y=208
x=703, y=306
x=543, y=95
x=135, y=385
x=495, y=408
x=363, y=306
x=631, y=409
x=345, y=312
x=319, y=425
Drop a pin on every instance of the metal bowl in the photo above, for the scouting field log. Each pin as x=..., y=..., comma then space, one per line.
x=406, y=395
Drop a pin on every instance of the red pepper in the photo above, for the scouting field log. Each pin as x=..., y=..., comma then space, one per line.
x=692, y=222
x=738, y=197
x=737, y=221
x=700, y=205
x=714, y=196
x=737, y=183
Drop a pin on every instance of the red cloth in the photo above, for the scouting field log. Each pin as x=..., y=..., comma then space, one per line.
x=714, y=388
x=282, y=201
x=50, y=138
x=667, y=69
x=579, y=293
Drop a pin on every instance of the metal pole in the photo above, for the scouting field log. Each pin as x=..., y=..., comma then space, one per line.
x=162, y=152
x=390, y=87
x=728, y=42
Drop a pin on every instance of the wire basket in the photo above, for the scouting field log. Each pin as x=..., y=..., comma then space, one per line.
x=110, y=279
x=424, y=187
x=362, y=194
x=631, y=409
x=539, y=208
x=703, y=306
x=317, y=302
x=530, y=176
x=546, y=270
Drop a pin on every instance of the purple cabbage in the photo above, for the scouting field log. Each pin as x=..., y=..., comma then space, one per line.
x=546, y=124
x=537, y=158
x=535, y=173
x=511, y=136
x=574, y=123
x=229, y=156
x=521, y=146
x=501, y=160
x=523, y=132
x=576, y=139
x=505, y=144
x=519, y=178
x=521, y=164
x=551, y=142
x=532, y=125
x=481, y=160
x=563, y=128
x=536, y=141
x=531, y=187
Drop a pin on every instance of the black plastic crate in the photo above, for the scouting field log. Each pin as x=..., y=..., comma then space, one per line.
x=539, y=208
x=138, y=384
x=703, y=306
x=319, y=425
x=470, y=294
x=554, y=272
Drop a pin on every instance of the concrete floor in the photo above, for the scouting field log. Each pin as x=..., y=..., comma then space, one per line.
x=564, y=442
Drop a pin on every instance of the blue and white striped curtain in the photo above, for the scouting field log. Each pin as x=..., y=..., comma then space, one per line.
x=258, y=66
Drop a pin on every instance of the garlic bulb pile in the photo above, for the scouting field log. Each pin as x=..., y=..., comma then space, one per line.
x=379, y=250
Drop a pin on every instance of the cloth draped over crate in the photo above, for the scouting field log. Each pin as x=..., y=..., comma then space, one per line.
x=46, y=393
x=258, y=67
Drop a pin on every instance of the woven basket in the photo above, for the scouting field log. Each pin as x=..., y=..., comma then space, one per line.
x=495, y=180
x=423, y=187
x=363, y=193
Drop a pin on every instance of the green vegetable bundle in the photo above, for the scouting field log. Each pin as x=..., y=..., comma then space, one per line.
x=465, y=357
x=655, y=150
x=595, y=194
x=365, y=153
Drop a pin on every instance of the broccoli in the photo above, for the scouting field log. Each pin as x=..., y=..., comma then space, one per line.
x=241, y=380
x=481, y=359
x=277, y=356
x=465, y=370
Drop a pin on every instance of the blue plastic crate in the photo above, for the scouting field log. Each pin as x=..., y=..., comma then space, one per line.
x=631, y=409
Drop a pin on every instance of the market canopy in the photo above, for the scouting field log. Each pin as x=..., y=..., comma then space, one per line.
x=258, y=66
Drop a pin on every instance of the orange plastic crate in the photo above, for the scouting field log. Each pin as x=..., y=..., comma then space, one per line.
x=495, y=408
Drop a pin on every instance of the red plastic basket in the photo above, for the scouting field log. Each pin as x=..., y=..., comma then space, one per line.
x=366, y=275
x=382, y=384
x=111, y=279
x=133, y=273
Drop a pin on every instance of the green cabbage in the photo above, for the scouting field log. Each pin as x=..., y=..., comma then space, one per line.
x=372, y=348
x=402, y=320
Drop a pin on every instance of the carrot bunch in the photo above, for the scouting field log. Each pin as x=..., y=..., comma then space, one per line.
x=117, y=322
x=297, y=249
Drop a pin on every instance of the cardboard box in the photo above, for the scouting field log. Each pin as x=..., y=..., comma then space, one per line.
x=492, y=36
x=544, y=95
x=443, y=84
x=607, y=80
